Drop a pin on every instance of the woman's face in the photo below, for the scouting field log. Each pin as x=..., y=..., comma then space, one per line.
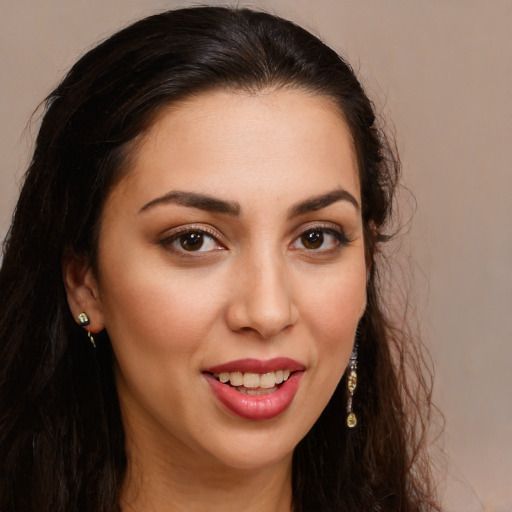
x=230, y=255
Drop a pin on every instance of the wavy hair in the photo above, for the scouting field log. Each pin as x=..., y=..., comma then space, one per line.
x=61, y=434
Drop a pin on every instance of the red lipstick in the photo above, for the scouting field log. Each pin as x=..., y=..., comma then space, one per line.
x=257, y=365
x=265, y=406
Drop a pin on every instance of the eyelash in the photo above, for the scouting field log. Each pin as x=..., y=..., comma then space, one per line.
x=175, y=236
x=339, y=235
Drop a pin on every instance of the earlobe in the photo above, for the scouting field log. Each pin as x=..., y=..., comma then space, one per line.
x=82, y=291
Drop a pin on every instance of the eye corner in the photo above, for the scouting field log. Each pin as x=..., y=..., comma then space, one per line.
x=320, y=239
x=201, y=241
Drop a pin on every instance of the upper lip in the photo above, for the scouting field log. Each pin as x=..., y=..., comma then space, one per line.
x=257, y=365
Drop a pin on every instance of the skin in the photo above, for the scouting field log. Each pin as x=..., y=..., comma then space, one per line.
x=255, y=289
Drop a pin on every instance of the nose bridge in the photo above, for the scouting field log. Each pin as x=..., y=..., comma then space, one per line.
x=263, y=300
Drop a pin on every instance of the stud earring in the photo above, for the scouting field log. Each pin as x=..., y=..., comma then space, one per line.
x=351, y=386
x=84, y=320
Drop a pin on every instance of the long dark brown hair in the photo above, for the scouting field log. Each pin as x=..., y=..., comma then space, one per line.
x=61, y=435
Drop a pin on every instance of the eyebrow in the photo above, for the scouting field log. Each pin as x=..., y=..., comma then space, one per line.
x=322, y=201
x=213, y=204
x=194, y=200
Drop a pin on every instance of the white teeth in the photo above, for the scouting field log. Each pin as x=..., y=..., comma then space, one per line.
x=251, y=380
x=236, y=378
x=268, y=380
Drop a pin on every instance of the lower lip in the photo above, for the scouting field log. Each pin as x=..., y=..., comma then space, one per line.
x=258, y=407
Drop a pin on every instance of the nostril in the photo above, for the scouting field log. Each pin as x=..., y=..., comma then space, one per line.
x=262, y=306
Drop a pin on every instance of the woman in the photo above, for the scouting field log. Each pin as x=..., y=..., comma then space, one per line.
x=191, y=316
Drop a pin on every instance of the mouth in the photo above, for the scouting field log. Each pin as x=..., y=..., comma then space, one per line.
x=253, y=384
x=254, y=389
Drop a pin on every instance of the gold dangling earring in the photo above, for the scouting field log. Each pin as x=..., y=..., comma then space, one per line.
x=84, y=320
x=91, y=339
x=351, y=386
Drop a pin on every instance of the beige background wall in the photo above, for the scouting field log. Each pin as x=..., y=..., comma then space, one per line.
x=442, y=70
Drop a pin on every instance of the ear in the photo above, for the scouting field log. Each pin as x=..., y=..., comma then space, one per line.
x=82, y=291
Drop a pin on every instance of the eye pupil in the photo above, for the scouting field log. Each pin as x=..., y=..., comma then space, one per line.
x=312, y=239
x=192, y=241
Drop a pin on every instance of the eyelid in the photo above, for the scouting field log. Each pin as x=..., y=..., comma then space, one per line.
x=173, y=234
x=327, y=227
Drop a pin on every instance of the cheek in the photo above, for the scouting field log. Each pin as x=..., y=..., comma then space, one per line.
x=332, y=310
x=156, y=308
x=335, y=302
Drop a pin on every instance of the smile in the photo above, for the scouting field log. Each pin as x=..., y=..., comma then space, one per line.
x=254, y=383
x=253, y=389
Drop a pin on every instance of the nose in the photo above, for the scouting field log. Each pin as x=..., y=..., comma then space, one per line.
x=262, y=301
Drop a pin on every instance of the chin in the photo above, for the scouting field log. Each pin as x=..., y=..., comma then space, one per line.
x=257, y=448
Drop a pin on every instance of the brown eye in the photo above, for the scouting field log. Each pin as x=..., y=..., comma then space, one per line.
x=312, y=239
x=320, y=240
x=192, y=241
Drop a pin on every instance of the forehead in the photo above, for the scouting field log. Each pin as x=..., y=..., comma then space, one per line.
x=239, y=141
